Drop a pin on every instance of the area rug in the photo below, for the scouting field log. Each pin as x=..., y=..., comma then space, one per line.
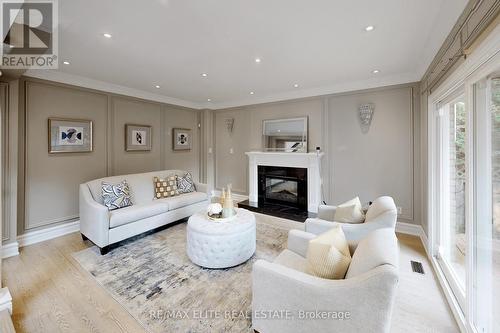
x=154, y=280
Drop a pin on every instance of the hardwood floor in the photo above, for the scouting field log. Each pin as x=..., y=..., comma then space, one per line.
x=52, y=293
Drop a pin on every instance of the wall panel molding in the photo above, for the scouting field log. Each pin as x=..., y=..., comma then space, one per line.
x=109, y=113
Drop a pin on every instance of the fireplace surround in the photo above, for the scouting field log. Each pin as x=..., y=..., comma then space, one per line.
x=283, y=186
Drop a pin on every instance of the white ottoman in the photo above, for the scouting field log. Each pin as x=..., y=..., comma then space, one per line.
x=221, y=244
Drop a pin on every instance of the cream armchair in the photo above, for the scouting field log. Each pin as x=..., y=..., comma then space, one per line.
x=286, y=299
x=381, y=214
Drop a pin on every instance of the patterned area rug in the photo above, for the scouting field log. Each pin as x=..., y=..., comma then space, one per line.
x=152, y=277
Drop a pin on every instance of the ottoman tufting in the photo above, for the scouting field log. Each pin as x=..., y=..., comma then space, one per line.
x=225, y=244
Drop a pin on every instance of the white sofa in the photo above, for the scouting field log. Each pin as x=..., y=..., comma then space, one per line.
x=104, y=227
x=382, y=213
x=284, y=293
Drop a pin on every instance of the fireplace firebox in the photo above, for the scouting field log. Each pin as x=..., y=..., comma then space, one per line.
x=283, y=186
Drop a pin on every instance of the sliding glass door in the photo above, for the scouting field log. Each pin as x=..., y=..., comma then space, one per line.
x=485, y=284
x=464, y=195
x=451, y=161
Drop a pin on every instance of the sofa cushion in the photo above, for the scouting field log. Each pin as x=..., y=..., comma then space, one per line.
x=137, y=212
x=140, y=184
x=292, y=260
x=165, y=187
x=183, y=200
x=116, y=196
x=185, y=184
x=328, y=254
x=380, y=247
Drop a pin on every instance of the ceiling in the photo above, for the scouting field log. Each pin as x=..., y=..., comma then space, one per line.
x=321, y=45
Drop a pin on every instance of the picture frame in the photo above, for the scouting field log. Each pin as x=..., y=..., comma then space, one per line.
x=138, y=137
x=67, y=135
x=181, y=139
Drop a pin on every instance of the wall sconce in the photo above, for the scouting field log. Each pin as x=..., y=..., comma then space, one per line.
x=230, y=124
x=366, y=115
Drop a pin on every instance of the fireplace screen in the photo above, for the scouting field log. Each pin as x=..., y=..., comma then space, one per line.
x=282, y=189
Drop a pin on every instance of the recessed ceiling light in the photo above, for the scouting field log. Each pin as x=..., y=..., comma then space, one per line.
x=66, y=62
x=375, y=71
x=257, y=60
x=369, y=28
x=157, y=87
x=204, y=74
x=107, y=35
x=296, y=85
x=209, y=100
x=251, y=93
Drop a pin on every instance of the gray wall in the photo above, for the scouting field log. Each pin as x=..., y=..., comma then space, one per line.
x=50, y=181
x=382, y=161
x=247, y=136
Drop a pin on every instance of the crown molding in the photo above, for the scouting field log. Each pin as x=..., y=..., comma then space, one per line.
x=319, y=91
x=85, y=82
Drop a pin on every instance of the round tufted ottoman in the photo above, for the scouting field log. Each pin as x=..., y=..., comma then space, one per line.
x=221, y=244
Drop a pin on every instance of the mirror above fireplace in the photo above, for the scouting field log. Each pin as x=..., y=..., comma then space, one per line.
x=285, y=135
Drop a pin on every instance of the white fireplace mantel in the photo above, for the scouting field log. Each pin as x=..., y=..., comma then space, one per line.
x=310, y=161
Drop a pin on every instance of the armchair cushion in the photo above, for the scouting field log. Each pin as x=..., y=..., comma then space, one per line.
x=292, y=260
x=328, y=255
x=298, y=241
x=350, y=212
x=380, y=247
x=326, y=212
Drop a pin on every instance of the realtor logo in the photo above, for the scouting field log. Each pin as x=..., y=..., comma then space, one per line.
x=29, y=33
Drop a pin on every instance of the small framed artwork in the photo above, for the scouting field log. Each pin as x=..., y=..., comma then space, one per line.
x=137, y=137
x=70, y=135
x=182, y=139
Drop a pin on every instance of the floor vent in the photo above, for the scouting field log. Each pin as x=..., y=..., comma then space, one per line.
x=417, y=267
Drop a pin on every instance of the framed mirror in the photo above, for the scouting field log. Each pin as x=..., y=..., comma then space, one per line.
x=285, y=135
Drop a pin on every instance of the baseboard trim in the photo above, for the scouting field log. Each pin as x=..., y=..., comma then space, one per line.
x=409, y=228
x=5, y=300
x=37, y=236
x=10, y=250
x=414, y=230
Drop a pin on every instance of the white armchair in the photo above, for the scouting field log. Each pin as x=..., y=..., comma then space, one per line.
x=381, y=214
x=288, y=299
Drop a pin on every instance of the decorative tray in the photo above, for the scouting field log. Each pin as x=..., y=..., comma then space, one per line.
x=219, y=218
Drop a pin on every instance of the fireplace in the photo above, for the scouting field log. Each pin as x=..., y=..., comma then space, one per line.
x=286, y=185
x=283, y=186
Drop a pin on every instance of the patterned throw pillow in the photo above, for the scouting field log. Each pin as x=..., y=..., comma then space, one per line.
x=165, y=188
x=186, y=184
x=116, y=195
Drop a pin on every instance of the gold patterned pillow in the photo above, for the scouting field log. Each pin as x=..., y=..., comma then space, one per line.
x=165, y=187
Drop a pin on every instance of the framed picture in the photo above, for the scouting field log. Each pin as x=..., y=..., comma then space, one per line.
x=137, y=137
x=182, y=139
x=70, y=135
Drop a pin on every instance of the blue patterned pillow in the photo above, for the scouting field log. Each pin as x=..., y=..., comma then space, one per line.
x=185, y=184
x=116, y=195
